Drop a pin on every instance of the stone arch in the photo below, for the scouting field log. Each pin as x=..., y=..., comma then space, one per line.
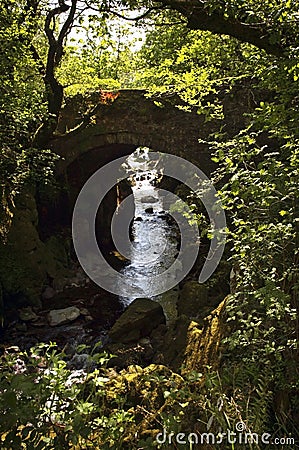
x=132, y=120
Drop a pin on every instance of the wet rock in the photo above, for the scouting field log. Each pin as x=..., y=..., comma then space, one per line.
x=149, y=210
x=149, y=199
x=48, y=293
x=27, y=314
x=62, y=316
x=168, y=300
x=140, y=318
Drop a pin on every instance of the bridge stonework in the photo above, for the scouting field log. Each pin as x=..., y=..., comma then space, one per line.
x=131, y=120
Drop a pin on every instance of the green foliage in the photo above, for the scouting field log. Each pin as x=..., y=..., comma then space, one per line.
x=258, y=179
x=102, y=59
x=197, y=66
x=276, y=15
x=259, y=170
x=45, y=405
x=261, y=200
x=22, y=101
x=21, y=91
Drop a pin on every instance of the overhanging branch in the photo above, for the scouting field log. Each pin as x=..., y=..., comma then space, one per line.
x=200, y=18
x=142, y=16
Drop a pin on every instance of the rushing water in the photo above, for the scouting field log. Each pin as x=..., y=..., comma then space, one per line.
x=154, y=241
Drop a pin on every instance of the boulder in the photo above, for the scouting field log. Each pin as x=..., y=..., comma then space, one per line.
x=168, y=301
x=188, y=345
x=149, y=210
x=193, y=300
x=149, y=199
x=48, y=293
x=62, y=316
x=27, y=315
x=170, y=344
x=140, y=318
x=26, y=261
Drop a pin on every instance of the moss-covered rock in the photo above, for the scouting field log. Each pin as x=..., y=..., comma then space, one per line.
x=170, y=346
x=203, y=344
x=189, y=345
x=26, y=262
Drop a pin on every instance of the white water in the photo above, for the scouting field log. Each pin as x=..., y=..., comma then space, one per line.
x=154, y=243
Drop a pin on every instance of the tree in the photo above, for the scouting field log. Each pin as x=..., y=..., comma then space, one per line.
x=271, y=26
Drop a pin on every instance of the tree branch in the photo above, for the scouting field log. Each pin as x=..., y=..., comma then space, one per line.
x=200, y=18
x=64, y=32
x=54, y=90
x=142, y=16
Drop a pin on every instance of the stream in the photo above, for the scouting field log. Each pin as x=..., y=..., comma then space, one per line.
x=153, y=236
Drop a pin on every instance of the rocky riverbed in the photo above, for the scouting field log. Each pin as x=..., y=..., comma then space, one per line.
x=146, y=331
x=81, y=312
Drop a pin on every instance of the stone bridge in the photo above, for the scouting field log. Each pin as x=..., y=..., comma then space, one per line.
x=123, y=123
x=131, y=120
